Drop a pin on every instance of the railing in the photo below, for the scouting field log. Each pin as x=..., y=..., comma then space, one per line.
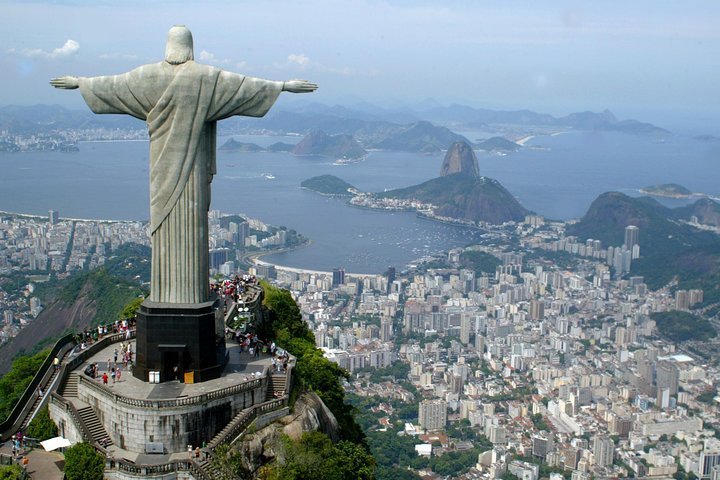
x=245, y=418
x=122, y=465
x=78, y=420
x=172, y=403
x=19, y=412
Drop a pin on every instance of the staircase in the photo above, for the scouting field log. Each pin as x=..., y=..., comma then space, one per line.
x=93, y=424
x=70, y=387
x=211, y=470
x=241, y=420
x=37, y=400
x=277, y=383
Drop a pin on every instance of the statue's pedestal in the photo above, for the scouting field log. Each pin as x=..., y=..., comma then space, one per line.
x=175, y=338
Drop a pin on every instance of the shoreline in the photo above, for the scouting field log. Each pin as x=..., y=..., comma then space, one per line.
x=70, y=219
x=256, y=259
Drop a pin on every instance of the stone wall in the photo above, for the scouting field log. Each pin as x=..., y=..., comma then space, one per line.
x=176, y=427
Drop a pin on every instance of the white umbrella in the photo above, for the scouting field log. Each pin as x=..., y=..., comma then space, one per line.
x=55, y=443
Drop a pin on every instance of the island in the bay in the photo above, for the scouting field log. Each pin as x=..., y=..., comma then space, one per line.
x=329, y=185
x=670, y=190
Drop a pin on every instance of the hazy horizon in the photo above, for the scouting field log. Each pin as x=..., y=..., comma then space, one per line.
x=650, y=61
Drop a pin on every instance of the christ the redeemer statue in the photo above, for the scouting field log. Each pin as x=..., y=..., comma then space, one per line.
x=181, y=102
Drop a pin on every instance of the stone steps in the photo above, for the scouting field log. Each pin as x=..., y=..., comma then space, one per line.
x=231, y=424
x=96, y=428
x=278, y=383
x=70, y=387
x=210, y=469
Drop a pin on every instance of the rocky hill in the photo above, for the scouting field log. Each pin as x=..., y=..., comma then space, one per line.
x=318, y=142
x=669, y=248
x=460, y=158
x=705, y=210
x=421, y=137
x=233, y=145
x=465, y=197
x=78, y=302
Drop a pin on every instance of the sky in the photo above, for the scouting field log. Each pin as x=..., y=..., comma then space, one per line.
x=645, y=59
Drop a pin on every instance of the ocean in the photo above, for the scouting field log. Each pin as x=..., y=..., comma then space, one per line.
x=555, y=176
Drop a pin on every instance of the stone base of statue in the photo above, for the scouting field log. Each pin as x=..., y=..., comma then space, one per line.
x=176, y=341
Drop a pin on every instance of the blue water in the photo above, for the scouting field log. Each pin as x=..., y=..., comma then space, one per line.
x=109, y=180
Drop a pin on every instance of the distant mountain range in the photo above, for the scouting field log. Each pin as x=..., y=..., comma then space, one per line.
x=340, y=146
x=233, y=145
x=420, y=129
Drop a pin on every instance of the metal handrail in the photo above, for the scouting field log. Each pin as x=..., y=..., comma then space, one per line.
x=9, y=426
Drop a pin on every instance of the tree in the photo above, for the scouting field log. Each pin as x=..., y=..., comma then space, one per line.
x=42, y=427
x=11, y=472
x=14, y=383
x=316, y=457
x=83, y=462
x=131, y=308
x=313, y=370
x=228, y=462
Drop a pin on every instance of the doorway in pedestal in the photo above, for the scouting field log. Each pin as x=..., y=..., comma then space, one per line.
x=173, y=365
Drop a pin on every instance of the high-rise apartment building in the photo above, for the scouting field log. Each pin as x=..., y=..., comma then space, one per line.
x=632, y=236
x=603, y=450
x=432, y=414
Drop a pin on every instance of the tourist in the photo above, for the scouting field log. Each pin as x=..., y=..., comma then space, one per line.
x=117, y=373
x=105, y=378
x=56, y=363
x=112, y=374
x=115, y=355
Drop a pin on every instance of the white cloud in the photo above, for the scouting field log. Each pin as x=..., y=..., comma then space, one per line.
x=300, y=59
x=206, y=56
x=70, y=47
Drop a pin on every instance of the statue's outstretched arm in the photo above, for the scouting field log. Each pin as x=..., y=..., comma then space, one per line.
x=66, y=83
x=299, y=86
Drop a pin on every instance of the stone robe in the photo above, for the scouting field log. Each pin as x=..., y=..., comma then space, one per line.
x=181, y=105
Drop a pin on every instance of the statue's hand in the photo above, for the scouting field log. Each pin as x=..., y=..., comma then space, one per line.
x=299, y=86
x=66, y=83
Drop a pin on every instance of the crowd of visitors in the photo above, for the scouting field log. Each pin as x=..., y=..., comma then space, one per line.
x=91, y=335
x=232, y=290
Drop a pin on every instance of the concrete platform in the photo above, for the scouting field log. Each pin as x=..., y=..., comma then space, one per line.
x=240, y=368
x=137, y=415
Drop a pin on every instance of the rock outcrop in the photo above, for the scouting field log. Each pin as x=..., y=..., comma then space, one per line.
x=460, y=158
x=309, y=414
x=318, y=142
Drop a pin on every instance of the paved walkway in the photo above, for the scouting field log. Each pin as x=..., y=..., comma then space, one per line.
x=240, y=368
x=42, y=465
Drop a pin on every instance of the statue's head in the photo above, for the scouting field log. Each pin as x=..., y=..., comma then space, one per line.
x=179, y=48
